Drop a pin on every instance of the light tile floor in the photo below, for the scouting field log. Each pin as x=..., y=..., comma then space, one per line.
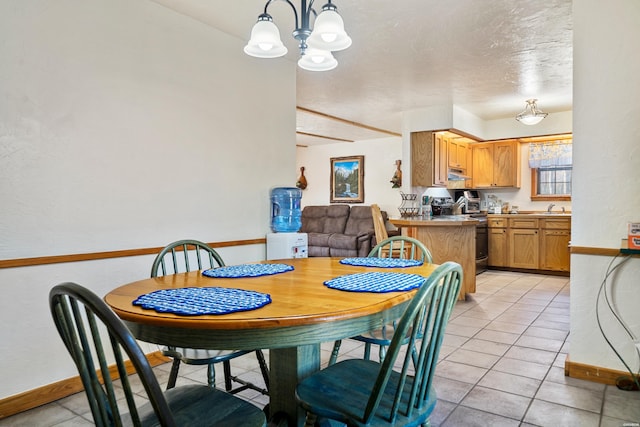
x=501, y=364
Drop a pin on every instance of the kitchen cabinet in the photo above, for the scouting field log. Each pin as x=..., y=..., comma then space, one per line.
x=524, y=243
x=496, y=164
x=524, y=248
x=497, y=236
x=458, y=155
x=533, y=242
x=554, y=244
x=441, y=144
x=428, y=159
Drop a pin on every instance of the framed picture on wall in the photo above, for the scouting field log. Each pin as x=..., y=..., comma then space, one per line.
x=347, y=179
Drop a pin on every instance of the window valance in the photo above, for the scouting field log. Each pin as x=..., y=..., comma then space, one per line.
x=550, y=154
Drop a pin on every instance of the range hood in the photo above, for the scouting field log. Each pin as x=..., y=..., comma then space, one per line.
x=457, y=175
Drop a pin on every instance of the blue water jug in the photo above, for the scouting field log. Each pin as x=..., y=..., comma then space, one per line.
x=286, y=216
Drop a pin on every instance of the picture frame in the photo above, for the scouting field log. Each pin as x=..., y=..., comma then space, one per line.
x=347, y=179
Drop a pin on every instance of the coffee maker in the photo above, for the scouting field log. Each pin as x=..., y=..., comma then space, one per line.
x=472, y=201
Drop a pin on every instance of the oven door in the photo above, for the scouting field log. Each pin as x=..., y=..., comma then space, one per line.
x=482, y=246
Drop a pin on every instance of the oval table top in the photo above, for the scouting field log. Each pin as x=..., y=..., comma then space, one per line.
x=300, y=300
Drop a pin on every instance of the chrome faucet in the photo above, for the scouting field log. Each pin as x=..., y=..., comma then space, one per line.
x=563, y=211
x=551, y=205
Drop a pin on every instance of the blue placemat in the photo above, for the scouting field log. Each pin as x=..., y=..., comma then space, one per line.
x=247, y=270
x=376, y=282
x=195, y=301
x=381, y=262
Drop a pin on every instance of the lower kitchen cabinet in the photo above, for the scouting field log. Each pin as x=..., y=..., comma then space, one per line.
x=554, y=244
x=524, y=248
x=498, y=243
x=529, y=242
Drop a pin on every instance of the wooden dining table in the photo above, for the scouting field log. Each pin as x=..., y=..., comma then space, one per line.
x=303, y=313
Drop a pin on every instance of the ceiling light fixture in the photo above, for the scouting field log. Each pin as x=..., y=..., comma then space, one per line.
x=531, y=115
x=315, y=44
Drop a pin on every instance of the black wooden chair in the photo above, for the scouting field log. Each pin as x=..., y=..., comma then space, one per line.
x=184, y=256
x=361, y=392
x=94, y=335
x=392, y=247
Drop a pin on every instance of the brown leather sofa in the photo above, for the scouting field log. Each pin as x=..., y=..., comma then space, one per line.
x=339, y=230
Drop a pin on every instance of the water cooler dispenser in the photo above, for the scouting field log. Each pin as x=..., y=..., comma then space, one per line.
x=287, y=245
x=286, y=219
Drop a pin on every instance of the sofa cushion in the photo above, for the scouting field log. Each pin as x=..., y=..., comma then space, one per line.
x=349, y=245
x=336, y=219
x=318, y=239
x=360, y=221
x=318, y=251
x=343, y=241
x=313, y=218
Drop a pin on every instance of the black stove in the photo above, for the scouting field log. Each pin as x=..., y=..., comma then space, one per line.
x=482, y=242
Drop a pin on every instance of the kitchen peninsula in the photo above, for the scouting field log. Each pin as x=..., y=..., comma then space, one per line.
x=448, y=238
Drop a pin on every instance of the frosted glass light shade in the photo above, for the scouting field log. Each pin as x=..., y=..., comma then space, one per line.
x=530, y=120
x=531, y=115
x=265, y=39
x=317, y=60
x=328, y=31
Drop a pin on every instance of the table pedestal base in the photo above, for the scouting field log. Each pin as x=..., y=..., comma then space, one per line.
x=289, y=366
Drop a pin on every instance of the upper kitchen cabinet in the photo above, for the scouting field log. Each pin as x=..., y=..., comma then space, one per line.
x=441, y=150
x=458, y=155
x=428, y=159
x=440, y=159
x=496, y=164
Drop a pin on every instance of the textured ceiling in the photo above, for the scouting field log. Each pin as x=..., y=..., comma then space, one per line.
x=487, y=57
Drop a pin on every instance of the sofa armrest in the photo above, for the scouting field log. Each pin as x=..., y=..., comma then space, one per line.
x=365, y=235
x=364, y=243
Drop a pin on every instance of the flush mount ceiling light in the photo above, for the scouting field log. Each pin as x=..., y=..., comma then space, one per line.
x=531, y=115
x=315, y=44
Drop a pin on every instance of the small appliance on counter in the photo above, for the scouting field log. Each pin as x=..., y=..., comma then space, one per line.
x=494, y=204
x=442, y=206
x=472, y=201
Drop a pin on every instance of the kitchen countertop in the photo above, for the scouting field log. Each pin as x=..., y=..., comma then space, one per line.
x=435, y=221
x=532, y=214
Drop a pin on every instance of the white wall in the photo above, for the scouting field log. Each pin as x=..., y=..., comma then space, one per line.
x=123, y=125
x=606, y=173
x=380, y=157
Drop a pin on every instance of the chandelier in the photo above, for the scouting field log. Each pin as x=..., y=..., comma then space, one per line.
x=316, y=44
x=531, y=114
